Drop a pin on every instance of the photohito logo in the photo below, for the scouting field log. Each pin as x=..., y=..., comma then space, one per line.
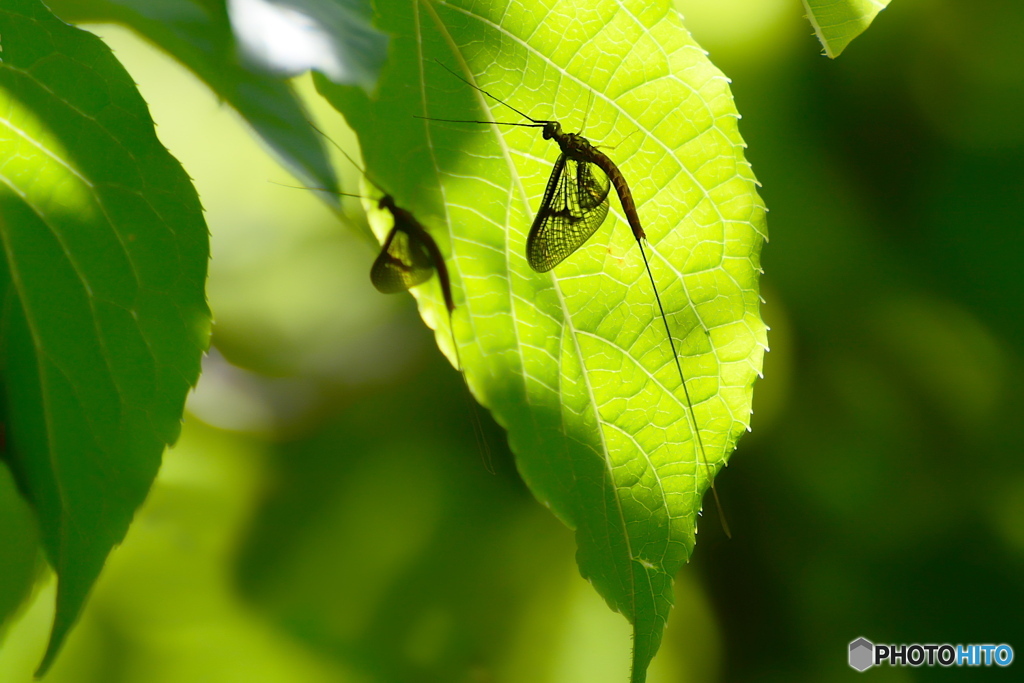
x=864, y=654
x=861, y=654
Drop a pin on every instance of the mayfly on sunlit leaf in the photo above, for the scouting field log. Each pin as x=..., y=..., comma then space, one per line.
x=574, y=205
x=409, y=257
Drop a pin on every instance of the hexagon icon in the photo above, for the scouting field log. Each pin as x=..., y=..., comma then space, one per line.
x=862, y=654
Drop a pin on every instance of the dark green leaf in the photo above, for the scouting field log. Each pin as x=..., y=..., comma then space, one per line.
x=19, y=541
x=104, y=318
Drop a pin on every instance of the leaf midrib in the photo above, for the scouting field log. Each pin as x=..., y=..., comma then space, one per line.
x=607, y=476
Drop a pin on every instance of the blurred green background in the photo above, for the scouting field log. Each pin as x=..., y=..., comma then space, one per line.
x=328, y=516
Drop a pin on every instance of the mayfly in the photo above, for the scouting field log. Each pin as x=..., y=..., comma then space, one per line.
x=574, y=205
x=409, y=257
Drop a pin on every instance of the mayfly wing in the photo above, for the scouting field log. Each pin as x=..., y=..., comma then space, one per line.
x=403, y=263
x=423, y=246
x=574, y=206
x=593, y=185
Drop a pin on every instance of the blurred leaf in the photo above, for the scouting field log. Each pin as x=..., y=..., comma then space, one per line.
x=395, y=480
x=290, y=37
x=395, y=552
x=838, y=22
x=20, y=550
x=198, y=34
x=105, y=317
x=575, y=363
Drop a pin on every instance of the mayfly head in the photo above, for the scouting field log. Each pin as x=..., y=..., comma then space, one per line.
x=552, y=129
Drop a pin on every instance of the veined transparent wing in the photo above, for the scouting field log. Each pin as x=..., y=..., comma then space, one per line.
x=574, y=206
x=403, y=262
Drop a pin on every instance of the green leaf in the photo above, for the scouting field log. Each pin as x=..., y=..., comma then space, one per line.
x=198, y=34
x=838, y=22
x=104, y=313
x=20, y=561
x=575, y=363
x=289, y=37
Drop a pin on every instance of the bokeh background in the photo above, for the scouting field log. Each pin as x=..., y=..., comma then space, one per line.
x=328, y=515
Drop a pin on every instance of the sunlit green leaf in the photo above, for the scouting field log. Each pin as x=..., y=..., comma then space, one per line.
x=838, y=22
x=575, y=363
x=104, y=318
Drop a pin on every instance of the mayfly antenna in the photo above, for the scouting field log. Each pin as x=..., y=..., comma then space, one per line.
x=318, y=189
x=352, y=161
x=536, y=122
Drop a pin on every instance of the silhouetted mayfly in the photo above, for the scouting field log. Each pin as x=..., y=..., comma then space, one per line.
x=409, y=257
x=574, y=205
